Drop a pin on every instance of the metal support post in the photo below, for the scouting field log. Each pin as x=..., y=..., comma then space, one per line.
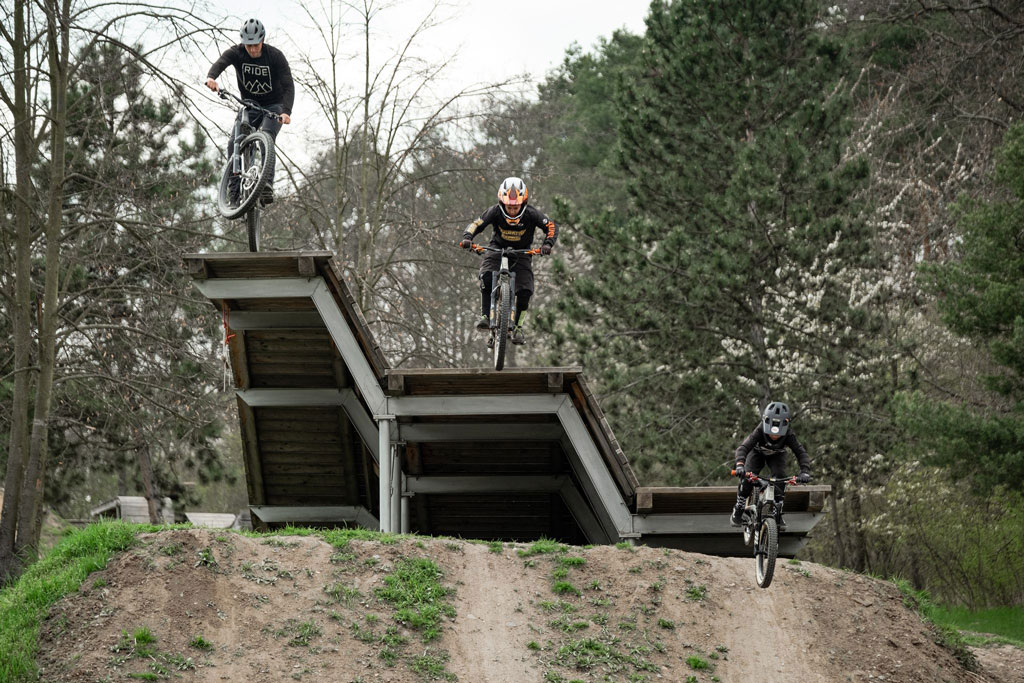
x=405, y=506
x=384, y=463
x=396, y=491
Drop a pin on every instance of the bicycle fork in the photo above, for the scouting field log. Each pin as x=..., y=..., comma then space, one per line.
x=504, y=274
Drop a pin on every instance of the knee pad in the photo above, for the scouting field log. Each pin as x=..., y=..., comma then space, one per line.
x=523, y=299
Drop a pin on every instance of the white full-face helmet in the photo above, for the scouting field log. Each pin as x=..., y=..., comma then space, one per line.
x=512, y=197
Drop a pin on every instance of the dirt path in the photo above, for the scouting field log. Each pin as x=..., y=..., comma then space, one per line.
x=296, y=608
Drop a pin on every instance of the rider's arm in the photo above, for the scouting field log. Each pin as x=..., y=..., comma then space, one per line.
x=229, y=57
x=282, y=73
x=802, y=458
x=744, y=450
x=550, y=229
x=475, y=228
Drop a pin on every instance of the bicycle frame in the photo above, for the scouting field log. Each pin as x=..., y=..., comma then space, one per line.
x=504, y=274
x=242, y=128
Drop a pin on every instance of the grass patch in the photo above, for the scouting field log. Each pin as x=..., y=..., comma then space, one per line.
x=25, y=603
x=697, y=593
x=299, y=633
x=572, y=561
x=564, y=587
x=1006, y=622
x=666, y=624
x=543, y=546
x=590, y=653
x=495, y=547
x=697, y=663
x=200, y=643
x=342, y=594
x=432, y=666
x=946, y=636
x=415, y=589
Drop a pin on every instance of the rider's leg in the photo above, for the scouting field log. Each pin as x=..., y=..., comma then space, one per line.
x=777, y=464
x=272, y=127
x=485, y=300
x=754, y=463
x=523, y=268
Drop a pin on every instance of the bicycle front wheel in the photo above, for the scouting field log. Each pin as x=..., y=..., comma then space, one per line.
x=767, y=551
x=258, y=155
x=501, y=326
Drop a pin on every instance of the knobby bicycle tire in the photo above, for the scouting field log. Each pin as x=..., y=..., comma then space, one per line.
x=259, y=143
x=252, y=227
x=501, y=328
x=767, y=552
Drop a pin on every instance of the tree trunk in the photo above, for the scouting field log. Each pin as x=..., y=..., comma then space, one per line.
x=146, y=474
x=33, y=489
x=10, y=563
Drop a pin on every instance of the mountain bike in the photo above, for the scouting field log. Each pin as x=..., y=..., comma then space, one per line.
x=252, y=163
x=761, y=524
x=502, y=307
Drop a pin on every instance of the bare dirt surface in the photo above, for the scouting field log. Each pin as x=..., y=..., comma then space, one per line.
x=225, y=607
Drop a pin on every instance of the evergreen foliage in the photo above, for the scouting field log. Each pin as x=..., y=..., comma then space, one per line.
x=740, y=275
x=981, y=297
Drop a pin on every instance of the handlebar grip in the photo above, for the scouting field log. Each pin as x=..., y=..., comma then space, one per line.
x=732, y=472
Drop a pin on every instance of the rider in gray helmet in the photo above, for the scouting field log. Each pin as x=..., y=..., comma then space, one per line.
x=264, y=76
x=767, y=445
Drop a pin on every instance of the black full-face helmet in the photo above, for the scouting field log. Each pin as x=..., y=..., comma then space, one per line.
x=252, y=32
x=775, y=420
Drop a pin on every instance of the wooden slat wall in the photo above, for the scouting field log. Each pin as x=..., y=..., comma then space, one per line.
x=473, y=382
x=291, y=358
x=310, y=456
x=492, y=458
x=509, y=517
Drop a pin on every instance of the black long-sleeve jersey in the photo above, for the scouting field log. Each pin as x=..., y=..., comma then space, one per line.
x=518, y=236
x=266, y=79
x=758, y=439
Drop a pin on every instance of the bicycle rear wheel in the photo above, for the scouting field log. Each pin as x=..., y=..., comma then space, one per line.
x=252, y=227
x=501, y=324
x=767, y=551
x=258, y=155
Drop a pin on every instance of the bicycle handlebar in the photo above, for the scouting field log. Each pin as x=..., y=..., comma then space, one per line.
x=479, y=248
x=790, y=481
x=247, y=104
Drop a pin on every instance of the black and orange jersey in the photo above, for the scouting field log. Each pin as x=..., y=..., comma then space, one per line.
x=518, y=236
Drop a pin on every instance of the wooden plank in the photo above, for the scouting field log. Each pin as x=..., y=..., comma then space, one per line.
x=250, y=454
x=318, y=334
x=626, y=484
x=239, y=361
x=257, y=265
x=196, y=268
x=289, y=381
x=306, y=265
x=296, y=368
x=644, y=500
x=301, y=448
x=396, y=384
x=274, y=304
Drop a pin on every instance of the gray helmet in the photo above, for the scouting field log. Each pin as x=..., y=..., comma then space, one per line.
x=775, y=420
x=252, y=32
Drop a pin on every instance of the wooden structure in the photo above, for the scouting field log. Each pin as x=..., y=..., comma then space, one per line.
x=132, y=509
x=333, y=436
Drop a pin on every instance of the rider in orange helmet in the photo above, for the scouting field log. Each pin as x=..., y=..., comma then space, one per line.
x=514, y=224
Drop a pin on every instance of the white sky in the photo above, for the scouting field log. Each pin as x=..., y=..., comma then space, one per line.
x=487, y=41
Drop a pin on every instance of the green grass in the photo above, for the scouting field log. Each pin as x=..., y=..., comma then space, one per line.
x=25, y=603
x=543, y=546
x=946, y=636
x=415, y=589
x=1007, y=623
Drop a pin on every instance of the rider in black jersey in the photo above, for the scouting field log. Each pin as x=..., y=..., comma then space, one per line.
x=514, y=224
x=767, y=445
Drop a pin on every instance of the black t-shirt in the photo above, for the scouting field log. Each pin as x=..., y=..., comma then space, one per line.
x=266, y=79
x=759, y=440
x=518, y=236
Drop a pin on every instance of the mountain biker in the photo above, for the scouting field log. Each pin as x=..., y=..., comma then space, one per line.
x=767, y=444
x=514, y=224
x=264, y=76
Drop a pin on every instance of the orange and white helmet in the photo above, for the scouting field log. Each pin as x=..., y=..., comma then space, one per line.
x=512, y=198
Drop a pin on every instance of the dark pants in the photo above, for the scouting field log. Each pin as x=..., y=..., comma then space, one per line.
x=260, y=122
x=521, y=266
x=756, y=461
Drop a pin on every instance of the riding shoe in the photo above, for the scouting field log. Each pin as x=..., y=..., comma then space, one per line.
x=267, y=196
x=518, y=335
x=484, y=323
x=737, y=516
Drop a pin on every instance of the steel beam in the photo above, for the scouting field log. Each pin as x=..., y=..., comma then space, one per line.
x=796, y=523
x=384, y=463
x=485, y=484
x=519, y=404
x=476, y=431
x=325, y=513
x=257, y=288
x=595, y=470
x=351, y=352
x=583, y=515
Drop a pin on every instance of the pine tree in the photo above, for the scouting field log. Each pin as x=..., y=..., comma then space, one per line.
x=742, y=275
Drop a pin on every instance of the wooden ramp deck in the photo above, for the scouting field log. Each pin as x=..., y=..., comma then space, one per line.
x=515, y=455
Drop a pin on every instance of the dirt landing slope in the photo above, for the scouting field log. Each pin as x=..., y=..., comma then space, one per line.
x=199, y=605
